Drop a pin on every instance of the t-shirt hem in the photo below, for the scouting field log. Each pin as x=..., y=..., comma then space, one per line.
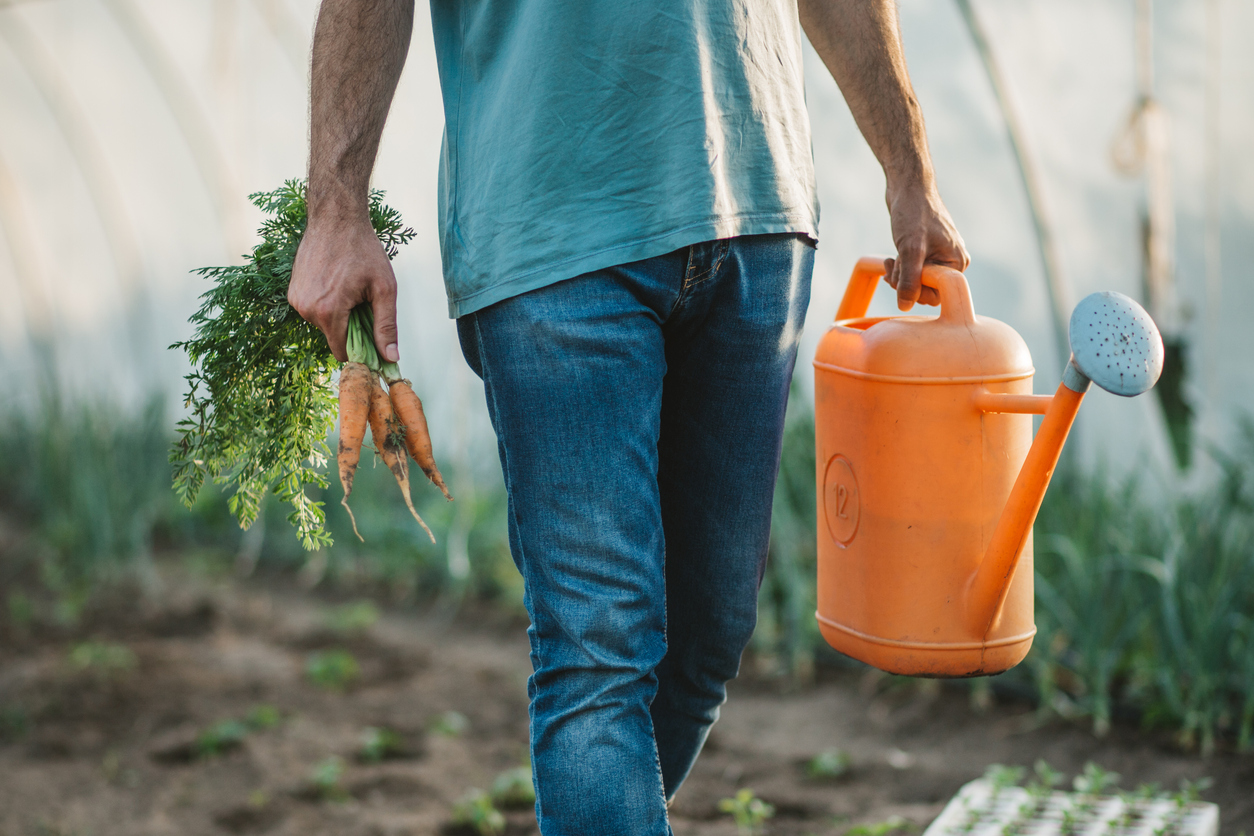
x=635, y=250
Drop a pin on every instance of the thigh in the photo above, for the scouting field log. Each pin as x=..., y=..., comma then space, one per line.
x=573, y=376
x=730, y=354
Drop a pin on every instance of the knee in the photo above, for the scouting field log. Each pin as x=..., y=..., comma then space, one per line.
x=602, y=655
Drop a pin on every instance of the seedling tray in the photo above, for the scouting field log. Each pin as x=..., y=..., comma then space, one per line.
x=982, y=809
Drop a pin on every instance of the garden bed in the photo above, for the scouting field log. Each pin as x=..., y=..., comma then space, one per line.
x=252, y=708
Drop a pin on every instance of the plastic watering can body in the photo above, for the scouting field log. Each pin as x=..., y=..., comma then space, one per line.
x=923, y=428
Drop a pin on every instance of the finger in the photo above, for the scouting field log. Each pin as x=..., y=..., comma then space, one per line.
x=383, y=304
x=334, y=324
x=909, y=276
x=928, y=296
x=890, y=275
x=961, y=246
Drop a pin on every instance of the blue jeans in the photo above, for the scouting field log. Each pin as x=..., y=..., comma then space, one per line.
x=638, y=412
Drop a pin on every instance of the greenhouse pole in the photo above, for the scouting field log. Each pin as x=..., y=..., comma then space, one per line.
x=1059, y=289
x=1214, y=204
x=102, y=187
x=79, y=136
x=197, y=131
x=27, y=266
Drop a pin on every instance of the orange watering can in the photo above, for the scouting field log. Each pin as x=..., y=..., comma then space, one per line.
x=929, y=479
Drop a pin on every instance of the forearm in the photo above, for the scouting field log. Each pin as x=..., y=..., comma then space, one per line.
x=860, y=44
x=359, y=50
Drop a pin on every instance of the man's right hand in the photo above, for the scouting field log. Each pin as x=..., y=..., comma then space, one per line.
x=339, y=266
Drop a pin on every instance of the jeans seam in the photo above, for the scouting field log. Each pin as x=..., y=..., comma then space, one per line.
x=684, y=285
x=723, y=248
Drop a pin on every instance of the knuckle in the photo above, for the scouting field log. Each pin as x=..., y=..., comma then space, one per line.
x=322, y=313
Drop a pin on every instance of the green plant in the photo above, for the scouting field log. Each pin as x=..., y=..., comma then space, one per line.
x=1089, y=590
x=830, y=763
x=748, y=811
x=1094, y=780
x=1205, y=580
x=377, y=744
x=333, y=670
x=476, y=812
x=220, y=737
x=1243, y=679
x=90, y=481
x=1044, y=779
x=513, y=789
x=449, y=724
x=325, y=778
x=893, y=824
x=354, y=618
x=103, y=658
x=260, y=391
x=1002, y=777
x=1191, y=791
x=263, y=717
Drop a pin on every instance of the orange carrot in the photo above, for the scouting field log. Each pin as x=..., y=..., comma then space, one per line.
x=387, y=432
x=355, y=383
x=417, y=437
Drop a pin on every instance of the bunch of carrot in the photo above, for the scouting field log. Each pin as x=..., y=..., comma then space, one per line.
x=260, y=410
x=397, y=422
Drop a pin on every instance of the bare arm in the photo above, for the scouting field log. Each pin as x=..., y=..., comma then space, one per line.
x=860, y=43
x=359, y=50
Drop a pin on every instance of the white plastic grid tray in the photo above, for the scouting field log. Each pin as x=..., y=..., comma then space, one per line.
x=979, y=809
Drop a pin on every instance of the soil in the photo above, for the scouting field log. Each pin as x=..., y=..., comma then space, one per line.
x=117, y=747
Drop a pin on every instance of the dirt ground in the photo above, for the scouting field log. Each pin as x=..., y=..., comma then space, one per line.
x=97, y=745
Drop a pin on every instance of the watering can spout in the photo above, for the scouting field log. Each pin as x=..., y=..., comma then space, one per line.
x=1115, y=344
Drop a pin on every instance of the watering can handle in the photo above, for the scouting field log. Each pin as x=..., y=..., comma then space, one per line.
x=952, y=286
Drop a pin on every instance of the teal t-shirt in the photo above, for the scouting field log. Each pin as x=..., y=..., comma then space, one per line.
x=581, y=134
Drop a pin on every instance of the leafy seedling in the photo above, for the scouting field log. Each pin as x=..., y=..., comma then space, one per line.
x=450, y=724
x=221, y=737
x=332, y=670
x=513, y=789
x=1044, y=779
x=378, y=744
x=1003, y=777
x=103, y=658
x=830, y=763
x=325, y=779
x=262, y=717
x=1191, y=791
x=747, y=810
x=476, y=812
x=1094, y=780
x=893, y=824
x=353, y=619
